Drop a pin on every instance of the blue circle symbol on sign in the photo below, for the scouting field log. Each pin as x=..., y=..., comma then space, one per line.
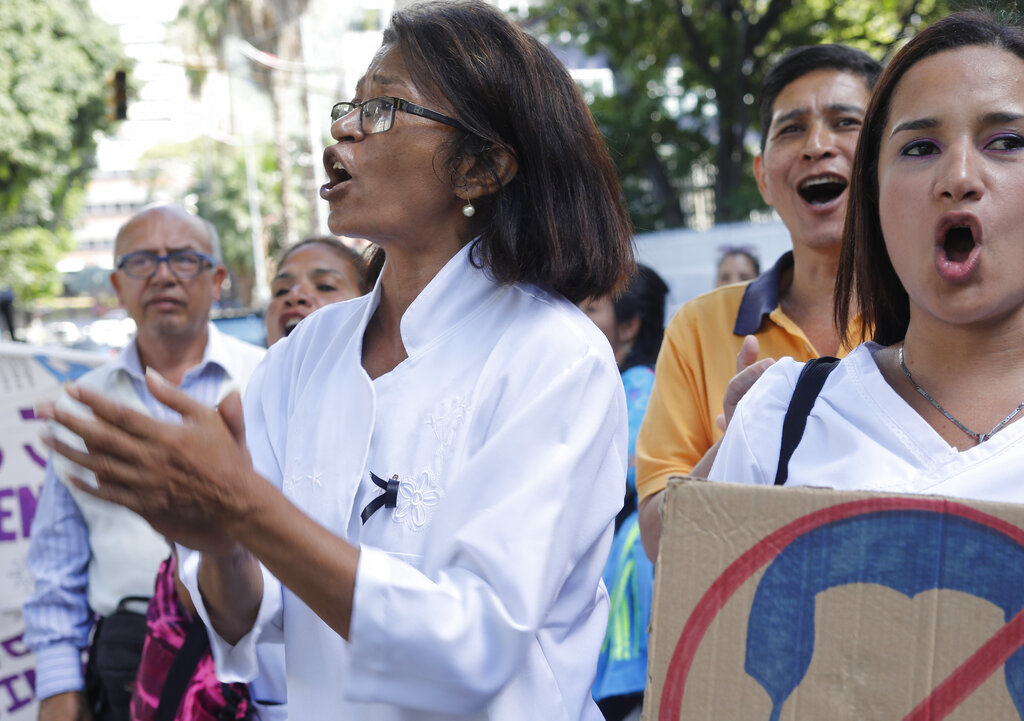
x=909, y=551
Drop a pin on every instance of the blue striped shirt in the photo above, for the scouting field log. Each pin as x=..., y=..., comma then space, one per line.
x=58, y=619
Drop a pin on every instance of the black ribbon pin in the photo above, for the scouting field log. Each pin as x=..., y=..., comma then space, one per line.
x=388, y=499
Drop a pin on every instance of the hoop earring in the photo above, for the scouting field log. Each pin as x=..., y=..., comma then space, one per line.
x=468, y=210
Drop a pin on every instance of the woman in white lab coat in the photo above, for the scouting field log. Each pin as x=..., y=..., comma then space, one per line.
x=435, y=467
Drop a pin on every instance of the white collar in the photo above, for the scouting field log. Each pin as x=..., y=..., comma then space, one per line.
x=453, y=297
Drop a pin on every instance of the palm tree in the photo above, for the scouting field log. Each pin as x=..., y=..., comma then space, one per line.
x=272, y=28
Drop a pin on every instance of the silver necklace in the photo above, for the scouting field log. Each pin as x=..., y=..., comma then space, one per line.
x=982, y=437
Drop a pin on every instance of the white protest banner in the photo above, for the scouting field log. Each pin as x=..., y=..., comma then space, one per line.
x=28, y=375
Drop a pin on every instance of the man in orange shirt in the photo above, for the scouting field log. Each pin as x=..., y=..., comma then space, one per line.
x=812, y=103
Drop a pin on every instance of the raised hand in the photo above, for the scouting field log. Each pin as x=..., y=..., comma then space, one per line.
x=748, y=370
x=188, y=480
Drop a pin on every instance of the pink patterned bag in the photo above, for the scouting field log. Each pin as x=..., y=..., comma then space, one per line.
x=176, y=679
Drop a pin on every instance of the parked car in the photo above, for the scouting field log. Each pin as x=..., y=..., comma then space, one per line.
x=242, y=323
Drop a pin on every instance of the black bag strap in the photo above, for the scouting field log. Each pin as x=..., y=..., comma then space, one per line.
x=808, y=386
x=182, y=670
x=140, y=602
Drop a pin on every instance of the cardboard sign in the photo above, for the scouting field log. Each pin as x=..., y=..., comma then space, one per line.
x=800, y=603
x=28, y=376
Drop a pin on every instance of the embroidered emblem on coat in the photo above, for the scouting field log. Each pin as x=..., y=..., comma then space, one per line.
x=445, y=422
x=417, y=498
x=294, y=480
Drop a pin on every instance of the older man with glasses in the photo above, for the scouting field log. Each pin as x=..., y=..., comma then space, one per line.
x=94, y=562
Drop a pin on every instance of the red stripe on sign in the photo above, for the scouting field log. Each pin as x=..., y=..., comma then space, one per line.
x=971, y=673
x=740, y=571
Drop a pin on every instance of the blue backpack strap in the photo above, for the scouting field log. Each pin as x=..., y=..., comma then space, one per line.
x=808, y=386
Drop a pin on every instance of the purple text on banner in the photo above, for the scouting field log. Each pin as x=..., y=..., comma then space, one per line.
x=28, y=499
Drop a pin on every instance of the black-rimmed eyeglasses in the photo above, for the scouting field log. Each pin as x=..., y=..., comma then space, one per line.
x=377, y=115
x=142, y=264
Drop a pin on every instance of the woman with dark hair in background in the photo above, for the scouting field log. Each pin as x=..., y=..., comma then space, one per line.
x=736, y=265
x=436, y=466
x=634, y=323
x=314, y=272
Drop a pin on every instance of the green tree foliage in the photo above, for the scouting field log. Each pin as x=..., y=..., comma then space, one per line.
x=56, y=60
x=271, y=26
x=220, y=193
x=687, y=74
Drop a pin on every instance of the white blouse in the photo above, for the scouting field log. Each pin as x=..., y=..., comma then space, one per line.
x=862, y=435
x=478, y=587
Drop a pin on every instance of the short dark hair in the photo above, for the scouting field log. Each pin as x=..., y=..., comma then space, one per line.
x=359, y=261
x=796, y=63
x=643, y=298
x=728, y=251
x=561, y=221
x=865, y=271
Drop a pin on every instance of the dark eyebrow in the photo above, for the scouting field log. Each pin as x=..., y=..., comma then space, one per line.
x=800, y=112
x=919, y=124
x=285, y=275
x=786, y=117
x=382, y=79
x=996, y=118
x=327, y=271
x=379, y=79
x=1000, y=118
x=844, y=108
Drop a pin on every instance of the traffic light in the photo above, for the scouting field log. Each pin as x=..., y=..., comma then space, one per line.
x=117, y=100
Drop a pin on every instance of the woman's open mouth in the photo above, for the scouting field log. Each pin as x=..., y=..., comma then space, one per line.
x=289, y=321
x=336, y=175
x=959, y=243
x=958, y=247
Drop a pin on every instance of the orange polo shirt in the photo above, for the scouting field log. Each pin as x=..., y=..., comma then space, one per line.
x=696, y=363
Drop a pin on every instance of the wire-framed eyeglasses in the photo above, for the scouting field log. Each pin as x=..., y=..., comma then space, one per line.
x=377, y=115
x=142, y=264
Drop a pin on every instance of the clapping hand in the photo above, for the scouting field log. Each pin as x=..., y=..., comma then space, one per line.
x=188, y=480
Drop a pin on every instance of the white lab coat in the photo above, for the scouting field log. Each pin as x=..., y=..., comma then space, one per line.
x=479, y=592
x=861, y=435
